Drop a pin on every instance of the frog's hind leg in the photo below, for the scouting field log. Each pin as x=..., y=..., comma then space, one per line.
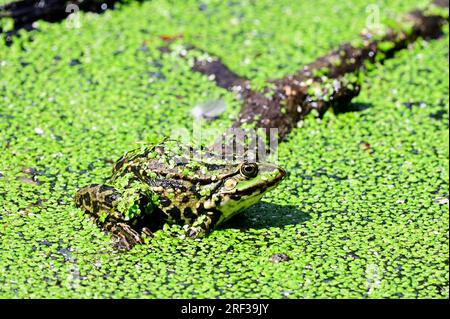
x=100, y=202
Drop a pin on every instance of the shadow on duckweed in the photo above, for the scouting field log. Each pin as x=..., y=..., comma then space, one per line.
x=262, y=215
x=352, y=107
x=265, y=215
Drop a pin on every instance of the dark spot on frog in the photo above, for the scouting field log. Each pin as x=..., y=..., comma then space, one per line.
x=185, y=199
x=165, y=202
x=135, y=170
x=215, y=215
x=174, y=213
x=188, y=214
x=86, y=200
x=104, y=188
x=95, y=207
x=166, y=184
x=201, y=210
x=111, y=198
x=180, y=187
x=277, y=258
x=194, y=191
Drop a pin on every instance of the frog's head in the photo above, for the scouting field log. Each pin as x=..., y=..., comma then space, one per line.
x=244, y=186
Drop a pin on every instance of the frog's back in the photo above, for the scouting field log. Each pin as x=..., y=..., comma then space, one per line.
x=172, y=182
x=172, y=160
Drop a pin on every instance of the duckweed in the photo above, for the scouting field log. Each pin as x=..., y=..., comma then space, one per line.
x=354, y=222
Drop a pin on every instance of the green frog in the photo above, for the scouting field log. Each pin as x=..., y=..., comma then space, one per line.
x=173, y=183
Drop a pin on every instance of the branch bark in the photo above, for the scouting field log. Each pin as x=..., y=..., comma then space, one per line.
x=294, y=96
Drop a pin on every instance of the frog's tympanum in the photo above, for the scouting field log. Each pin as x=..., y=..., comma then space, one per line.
x=170, y=183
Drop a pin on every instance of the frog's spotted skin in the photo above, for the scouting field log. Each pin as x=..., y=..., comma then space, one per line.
x=170, y=182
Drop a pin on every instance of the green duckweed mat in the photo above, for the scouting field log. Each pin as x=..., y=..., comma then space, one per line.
x=363, y=212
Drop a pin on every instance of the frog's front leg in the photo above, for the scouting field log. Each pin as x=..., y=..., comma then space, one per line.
x=201, y=226
x=100, y=202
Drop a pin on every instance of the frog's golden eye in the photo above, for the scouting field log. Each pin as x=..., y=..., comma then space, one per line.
x=249, y=170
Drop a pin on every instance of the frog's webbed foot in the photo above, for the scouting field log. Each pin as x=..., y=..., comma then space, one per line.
x=201, y=226
x=193, y=232
x=124, y=236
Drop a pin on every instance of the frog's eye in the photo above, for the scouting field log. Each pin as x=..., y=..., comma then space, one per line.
x=249, y=170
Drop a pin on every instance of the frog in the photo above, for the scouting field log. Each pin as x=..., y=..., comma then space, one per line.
x=173, y=183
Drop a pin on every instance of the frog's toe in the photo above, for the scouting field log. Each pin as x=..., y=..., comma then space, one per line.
x=193, y=232
x=147, y=232
x=124, y=236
